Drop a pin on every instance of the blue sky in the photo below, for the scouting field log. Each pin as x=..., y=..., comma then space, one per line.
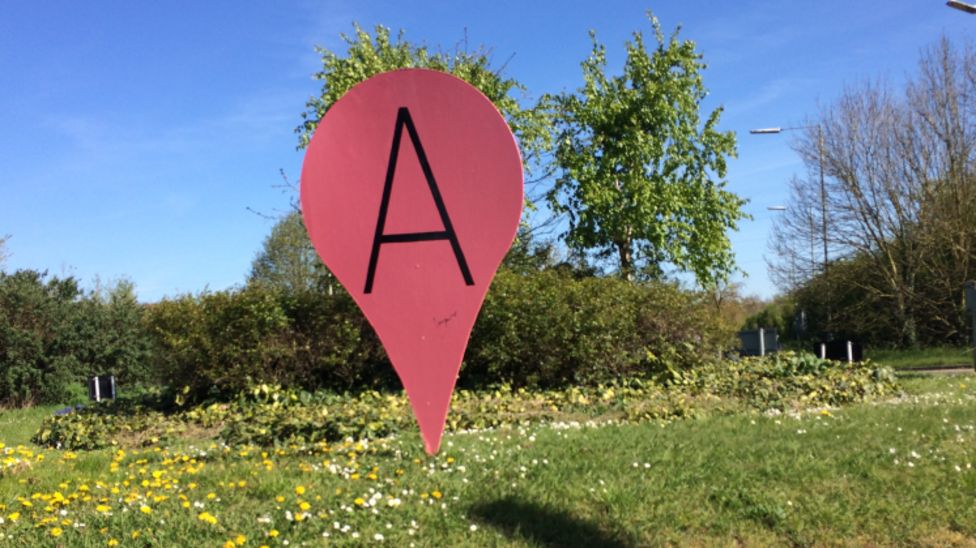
x=134, y=136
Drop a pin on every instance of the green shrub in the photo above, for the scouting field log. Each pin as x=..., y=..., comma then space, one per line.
x=269, y=415
x=550, y=329
x=53, y=336
x=537, y=329
x=218, y=342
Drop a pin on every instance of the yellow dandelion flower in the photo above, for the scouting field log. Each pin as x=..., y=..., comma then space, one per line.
x=113, y=542
x=207, y=517
x=102, y=508
x=13, y=516
x=300, y=490
x=240, y=540
x=56, y=532
x=135, y=534
x=436, y=494
x=273, y=533
x=304, y=506
x=230, y=544
x=279, y=498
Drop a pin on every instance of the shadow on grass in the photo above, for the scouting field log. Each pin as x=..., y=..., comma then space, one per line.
x=544, y=526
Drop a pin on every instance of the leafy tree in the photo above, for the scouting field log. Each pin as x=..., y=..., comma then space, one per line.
x=116, y=341
x=640, y=176
x=287, y=259
x=38, y=338
x=369, y=55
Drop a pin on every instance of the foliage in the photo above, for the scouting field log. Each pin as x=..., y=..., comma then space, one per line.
x=551, y=329
x=528, y=255
x=785, y=379
x=639, y=177
x=780, y=314
x=134, y=421
x=217, y=342
x=287, y=261
x=269, y=415
x=370, y=55
x=53, y=336
x=732, y=310
x=543, y=328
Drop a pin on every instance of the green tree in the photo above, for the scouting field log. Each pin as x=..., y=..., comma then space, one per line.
x=640, y=176
x=287, y=259
x=39, y=340
x=369, y=55
x=117, y=341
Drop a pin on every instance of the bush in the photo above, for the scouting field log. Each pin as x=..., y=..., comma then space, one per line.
x=550, y=329
x=537, y=329
x=53, y=336
x=217, y=342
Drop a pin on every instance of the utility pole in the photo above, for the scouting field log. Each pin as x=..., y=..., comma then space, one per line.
x=823, y=222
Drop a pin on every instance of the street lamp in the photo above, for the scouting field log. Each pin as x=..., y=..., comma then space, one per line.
x=962, y=6
x=823, y=194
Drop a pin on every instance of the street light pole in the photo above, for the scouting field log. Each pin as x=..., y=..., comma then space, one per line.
x=823, y=199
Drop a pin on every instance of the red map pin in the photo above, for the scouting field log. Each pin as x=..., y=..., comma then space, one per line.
x=411, y=192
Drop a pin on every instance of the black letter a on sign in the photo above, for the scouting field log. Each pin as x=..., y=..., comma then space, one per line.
x=403, y=119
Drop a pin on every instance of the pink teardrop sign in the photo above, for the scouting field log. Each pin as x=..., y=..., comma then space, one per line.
x=411, y=191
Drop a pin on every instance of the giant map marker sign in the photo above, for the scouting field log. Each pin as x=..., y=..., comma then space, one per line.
x=411, y=191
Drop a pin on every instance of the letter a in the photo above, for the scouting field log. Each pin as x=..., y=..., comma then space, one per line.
x=404, y=120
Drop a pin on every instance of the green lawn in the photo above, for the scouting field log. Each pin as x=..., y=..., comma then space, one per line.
x=921, y=358
x=897, y=472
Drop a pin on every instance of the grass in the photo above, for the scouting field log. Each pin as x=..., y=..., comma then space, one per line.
x=891, y=473
x=18, y=425
x=921, y=358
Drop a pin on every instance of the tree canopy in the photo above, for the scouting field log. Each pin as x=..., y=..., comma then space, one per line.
x=368, y=55
x=640, y=175
x=287, y=259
